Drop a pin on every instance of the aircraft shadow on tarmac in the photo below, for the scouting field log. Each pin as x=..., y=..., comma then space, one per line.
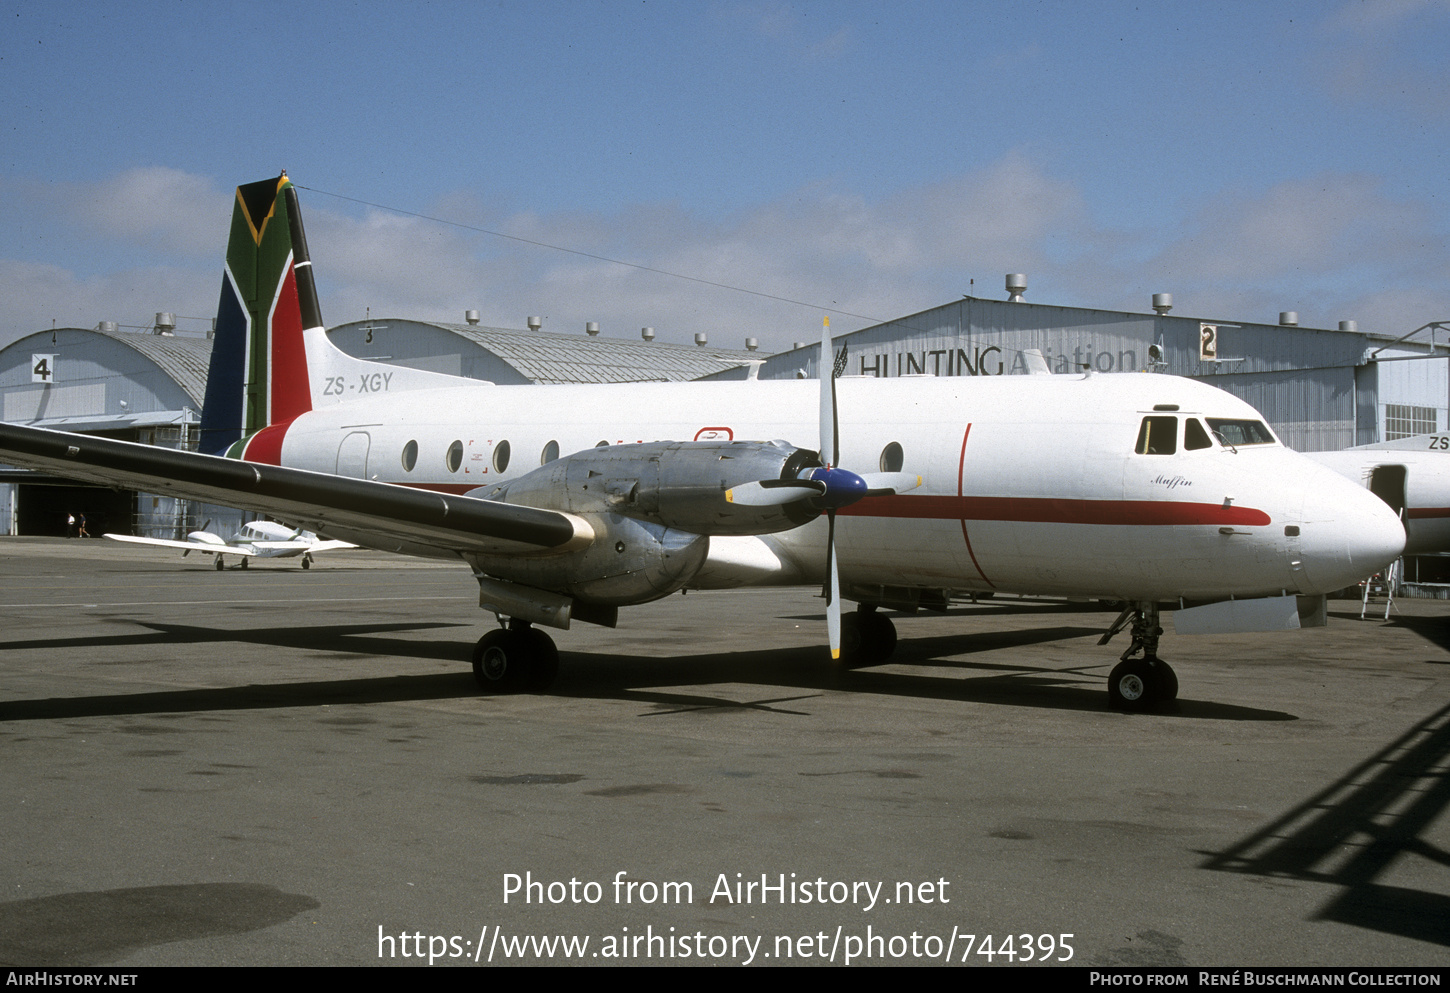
x=1435, y=630
x=1357, y=828
x=597, y=675
x=88, y=928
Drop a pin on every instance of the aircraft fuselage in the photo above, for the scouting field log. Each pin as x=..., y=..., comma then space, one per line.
x=1046, y=485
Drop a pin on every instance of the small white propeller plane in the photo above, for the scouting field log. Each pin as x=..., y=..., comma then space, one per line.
x=256, y=539
x=570, y=502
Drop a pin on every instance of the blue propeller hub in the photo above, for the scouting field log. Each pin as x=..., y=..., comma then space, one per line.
x=843, y=487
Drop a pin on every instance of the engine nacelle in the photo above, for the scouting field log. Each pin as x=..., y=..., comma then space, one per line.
x=628, y=562
x=678, y=484
x=652, y=508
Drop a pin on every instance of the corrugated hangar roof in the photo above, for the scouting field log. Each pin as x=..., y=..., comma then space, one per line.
x=537, y=356
x=89, y=379
x=183, y=359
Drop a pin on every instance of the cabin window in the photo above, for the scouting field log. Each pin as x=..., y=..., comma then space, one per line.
x=550, y=453
x=1238, y=433
x=410, y=456
x=1194, y=435
x=455, y=456
x=1158, y=436
x=891, y=458
x=501, y=456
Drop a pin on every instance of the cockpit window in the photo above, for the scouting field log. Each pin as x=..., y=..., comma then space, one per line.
x=1239, y=433
x=1158, y=436
x=1194, y=436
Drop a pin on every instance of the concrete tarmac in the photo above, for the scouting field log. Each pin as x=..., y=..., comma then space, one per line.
x=274, y=766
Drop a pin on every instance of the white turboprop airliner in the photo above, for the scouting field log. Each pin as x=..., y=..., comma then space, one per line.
x=572, y=501
x=1412, y=475
x=256, y=539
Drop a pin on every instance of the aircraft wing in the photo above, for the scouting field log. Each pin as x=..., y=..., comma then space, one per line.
x=381, y=515
x=328, y=546
x=188, y=546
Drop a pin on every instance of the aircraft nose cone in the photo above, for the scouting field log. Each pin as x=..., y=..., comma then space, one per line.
x=1347, y=535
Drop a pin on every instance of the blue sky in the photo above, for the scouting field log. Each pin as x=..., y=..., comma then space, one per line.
x=872, y=158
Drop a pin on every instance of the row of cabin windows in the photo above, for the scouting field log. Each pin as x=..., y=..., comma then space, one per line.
x=892, y=458
x=453, y=458
x=1158, y=434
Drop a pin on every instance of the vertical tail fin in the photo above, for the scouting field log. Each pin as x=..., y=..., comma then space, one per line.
x=258, y=373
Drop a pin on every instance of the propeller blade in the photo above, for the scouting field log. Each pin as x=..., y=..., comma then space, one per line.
x=833, y=588
x=774, y=492
x=842, y=487
x=889, y=483
x=830, y=451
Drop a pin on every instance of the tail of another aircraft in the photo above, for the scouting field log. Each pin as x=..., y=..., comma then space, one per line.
x=271, y=360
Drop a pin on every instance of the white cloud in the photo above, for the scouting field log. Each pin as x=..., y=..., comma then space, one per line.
x=1373, y=51
x=1333, y=246
x=795, y=31
x=161, y=209
x=821, y=245
x=39, y=296
x=1325, y=223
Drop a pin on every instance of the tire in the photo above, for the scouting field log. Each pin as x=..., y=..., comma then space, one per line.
x=500, y=662
x=867, y=638
x=543, y=661
x=1134, y=685
x=1167, y=681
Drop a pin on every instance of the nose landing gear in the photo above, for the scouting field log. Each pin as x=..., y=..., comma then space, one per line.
x=1138, y=684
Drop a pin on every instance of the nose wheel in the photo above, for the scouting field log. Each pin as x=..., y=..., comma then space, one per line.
x=515, y=659
x=1140, y=683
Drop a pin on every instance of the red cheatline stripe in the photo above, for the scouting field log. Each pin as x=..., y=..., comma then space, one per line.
x=1418, y=513
x=1036, y=510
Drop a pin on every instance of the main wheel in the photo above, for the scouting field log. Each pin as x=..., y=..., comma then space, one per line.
x=1167, y=680
x=500, y=661
x=219, y=564
x=1134, y=684
x=867, y=638
x=543, y=661
x=306, y=562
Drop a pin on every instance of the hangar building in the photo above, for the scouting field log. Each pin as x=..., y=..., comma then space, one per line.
x=104, y=381
x=507, y=357
x=1321, y=390
x=149, y=385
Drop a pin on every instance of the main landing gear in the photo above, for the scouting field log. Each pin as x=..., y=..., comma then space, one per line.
x=515, y=659
x=1140, y=683
x=867, y=638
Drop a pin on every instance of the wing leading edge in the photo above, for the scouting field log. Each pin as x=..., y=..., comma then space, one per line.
x=380, y=515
